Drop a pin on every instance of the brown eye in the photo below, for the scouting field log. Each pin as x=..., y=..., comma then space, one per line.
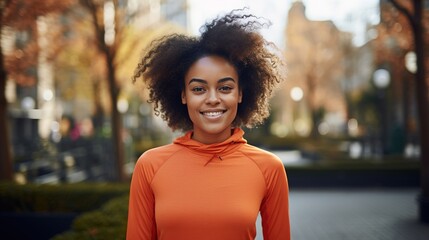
x=225, y=89
x=197, y=89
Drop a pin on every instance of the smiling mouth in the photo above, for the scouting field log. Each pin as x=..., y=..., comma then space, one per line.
x=213, y=114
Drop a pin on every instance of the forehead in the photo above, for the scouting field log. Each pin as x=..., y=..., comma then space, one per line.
x=212, y=66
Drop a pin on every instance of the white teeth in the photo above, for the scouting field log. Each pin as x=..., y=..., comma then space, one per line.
x=212, y=114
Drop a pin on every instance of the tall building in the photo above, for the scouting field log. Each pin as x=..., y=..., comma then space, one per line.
x=314, y=51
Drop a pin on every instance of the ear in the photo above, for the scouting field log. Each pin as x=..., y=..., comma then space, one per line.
x=183, y=97
x=240, y=96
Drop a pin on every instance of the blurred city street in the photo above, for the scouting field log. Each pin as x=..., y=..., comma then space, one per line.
x=342, y=214
x=350, y=124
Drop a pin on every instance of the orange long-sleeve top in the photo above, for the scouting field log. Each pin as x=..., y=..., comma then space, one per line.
x=189, y=190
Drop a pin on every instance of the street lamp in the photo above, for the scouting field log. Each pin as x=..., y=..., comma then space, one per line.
x=411, y=62
x=296, y=94
x=299, y=124
x=411, y=143
x=122, y=105
x=381, y=78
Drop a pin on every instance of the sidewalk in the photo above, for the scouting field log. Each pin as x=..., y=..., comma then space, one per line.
x=343, y=214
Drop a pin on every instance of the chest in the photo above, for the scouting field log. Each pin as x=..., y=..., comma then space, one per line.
x=215, y=197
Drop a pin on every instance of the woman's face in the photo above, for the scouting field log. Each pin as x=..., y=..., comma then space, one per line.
x=212, y=95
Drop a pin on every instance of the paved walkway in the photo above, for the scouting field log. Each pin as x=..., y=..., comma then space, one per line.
x=354, y=214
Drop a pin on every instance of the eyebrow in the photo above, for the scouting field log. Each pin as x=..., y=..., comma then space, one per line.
x=225, y=79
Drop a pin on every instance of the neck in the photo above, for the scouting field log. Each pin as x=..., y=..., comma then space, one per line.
x=206, y=138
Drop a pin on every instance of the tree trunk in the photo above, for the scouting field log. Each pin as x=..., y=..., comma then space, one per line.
x=118, y=147
x=98, y=118
x=422, y=98
x=109, y=53
x=423, y=109
x=311, y=96
x=6, y=169
x=6, y=165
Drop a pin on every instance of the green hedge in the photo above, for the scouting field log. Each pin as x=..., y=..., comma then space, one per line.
x=63, y=198
x=109, y=222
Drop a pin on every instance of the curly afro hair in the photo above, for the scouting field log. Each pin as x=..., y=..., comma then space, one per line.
x=234, y=37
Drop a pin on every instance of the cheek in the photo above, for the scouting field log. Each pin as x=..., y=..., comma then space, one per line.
x=191, y=104
x=235, y=99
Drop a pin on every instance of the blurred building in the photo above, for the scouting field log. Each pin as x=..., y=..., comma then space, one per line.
x=152, y=12
x=314, y=53
x=31, y=106
x=175, y=11
x=337, y=79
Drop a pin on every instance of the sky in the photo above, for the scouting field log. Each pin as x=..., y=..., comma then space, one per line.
x=348, y=15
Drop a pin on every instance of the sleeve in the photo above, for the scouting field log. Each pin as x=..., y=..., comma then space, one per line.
x=275, y=206
x=141, y=209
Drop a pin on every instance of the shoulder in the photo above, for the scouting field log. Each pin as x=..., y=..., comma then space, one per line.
x=263, y=158
x=151, y=160
x=269, y=164
x=160, y=152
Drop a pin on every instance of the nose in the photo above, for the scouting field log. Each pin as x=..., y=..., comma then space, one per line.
x=213, y=97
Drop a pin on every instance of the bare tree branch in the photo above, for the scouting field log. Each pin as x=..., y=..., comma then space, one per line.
x=406, y=12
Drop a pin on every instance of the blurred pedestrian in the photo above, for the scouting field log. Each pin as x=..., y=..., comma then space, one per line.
x=209, y=183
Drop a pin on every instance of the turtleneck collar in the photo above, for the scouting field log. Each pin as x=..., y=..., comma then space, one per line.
x=214, y=149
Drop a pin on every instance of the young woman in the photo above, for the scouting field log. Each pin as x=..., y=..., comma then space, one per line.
x=209, y=183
